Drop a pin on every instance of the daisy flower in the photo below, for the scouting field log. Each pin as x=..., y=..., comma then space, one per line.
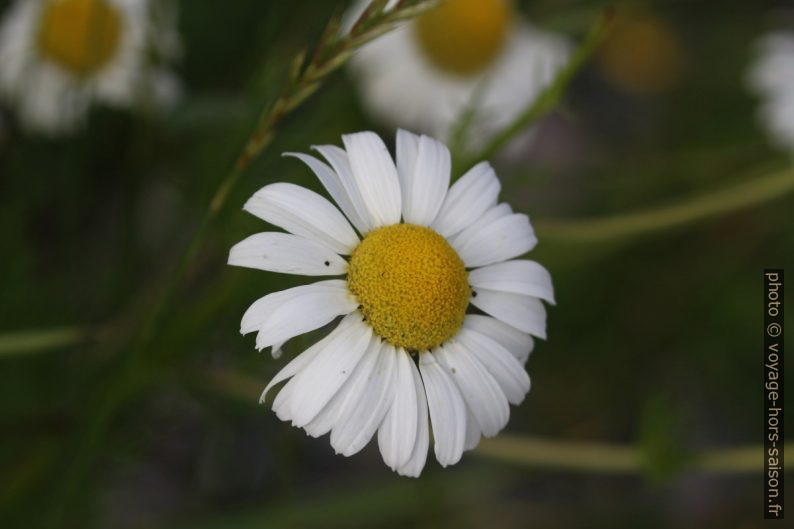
x=410, y=355
x=772, y=77
x=58, y=56
x=465, y=54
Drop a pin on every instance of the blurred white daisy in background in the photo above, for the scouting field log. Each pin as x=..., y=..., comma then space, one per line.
x=408, y=346
x=57, y=57
x=464, y=54
x=772, y=77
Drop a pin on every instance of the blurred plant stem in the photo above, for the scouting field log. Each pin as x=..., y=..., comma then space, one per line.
x=612, y=459
x=546, y=101
x=37, y=340
x=751, y=192
x=304, y=79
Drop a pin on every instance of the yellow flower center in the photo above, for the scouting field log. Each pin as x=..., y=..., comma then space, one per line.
x=463, y=37
x=412, y=286
x=80, y=35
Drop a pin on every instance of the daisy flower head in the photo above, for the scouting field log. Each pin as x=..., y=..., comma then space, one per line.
x=465, y=55
x=57, y=57
x=437, y=315
x=772, y=78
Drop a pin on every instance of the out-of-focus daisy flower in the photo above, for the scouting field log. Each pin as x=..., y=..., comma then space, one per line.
x=772, y=77
x=465, y=54
x=407, y=347
x=642, y=54
x=59, y=56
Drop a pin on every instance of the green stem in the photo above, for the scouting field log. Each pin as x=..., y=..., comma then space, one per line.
x=34, y=341
x=611, y=459
x=746, y=194
x=549, y=98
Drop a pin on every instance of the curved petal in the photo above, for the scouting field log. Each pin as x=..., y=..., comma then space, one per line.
x=375, y=176
x=525, y=313
x=496, y=212
x=316, y=385
x=413, y=467
x=473, y=433
x=504, y=367
x=340, y=161
x=517, y=277
x=483, y=396
x=347, y=396
x=275, y=350
x=282, y=315
x=447, y=410
x=491, y=242
x=407, y=147
x=397, y=434
x=467, y=200
x=520, y=344
x=287, y=254
x=304, y=213
x=303, y=359
x=425, y=184
x=332, y=182
x=355, y=429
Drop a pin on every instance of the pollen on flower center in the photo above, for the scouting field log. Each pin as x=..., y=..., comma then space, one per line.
x=411, y=284
x=464, y=36
x=80, y=35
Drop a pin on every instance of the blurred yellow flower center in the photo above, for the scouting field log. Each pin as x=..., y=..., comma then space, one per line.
x=642, y=54
x=412, y=286
x=80, y=35
x=463, y=37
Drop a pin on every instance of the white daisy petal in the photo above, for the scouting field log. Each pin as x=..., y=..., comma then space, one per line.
x=525, y=313
x=281, y=404
x=407, y=147
x=424, y=187
x=520, y=344
x=303, y=359
x=397, y=434
x=304, y=213
x=289, y=371
x=282, y=315
x=504, y=367
x=275, y=350
x=340, y=161
x=493, y=213
x=287, y=254
x=316, y=385
x=467, y=200
x=375, y=175
x=495, y=241
x=519, y=277
x=348, y=395
x=447, y=410
x=496, y=212
x=481, y=392
x=361, y=421
x=332, y=183
x=473, y=433
x=413, y=467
